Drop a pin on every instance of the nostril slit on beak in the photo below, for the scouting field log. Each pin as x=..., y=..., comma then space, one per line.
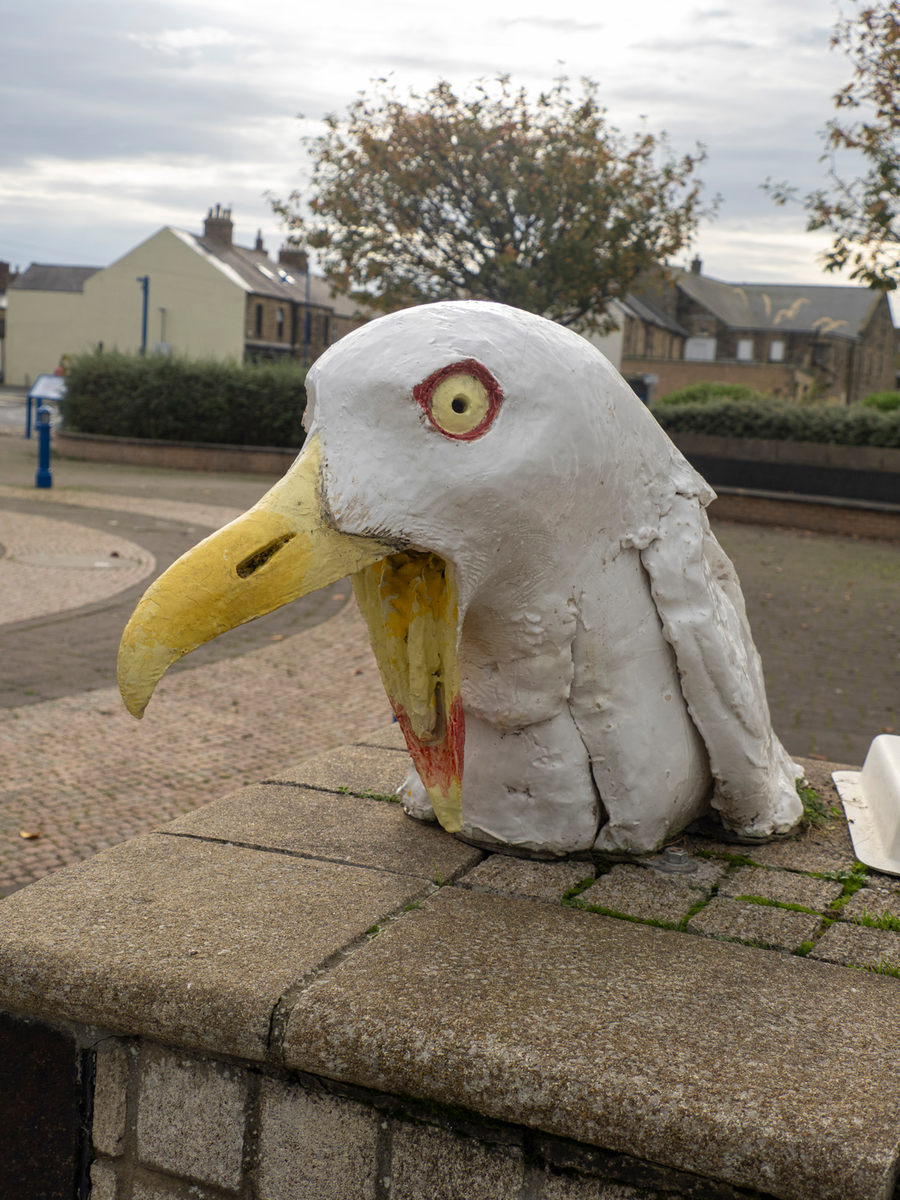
x=259, y=558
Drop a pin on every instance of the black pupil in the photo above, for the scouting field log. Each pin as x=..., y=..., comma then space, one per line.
x=459, y=404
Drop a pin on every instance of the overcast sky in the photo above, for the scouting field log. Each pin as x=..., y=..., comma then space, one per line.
x=117, y=118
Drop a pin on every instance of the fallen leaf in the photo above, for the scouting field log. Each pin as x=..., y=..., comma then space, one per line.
x=803, y=625
x=29, y=834
x=277, y=637
x=888, y=729
x=358, y=671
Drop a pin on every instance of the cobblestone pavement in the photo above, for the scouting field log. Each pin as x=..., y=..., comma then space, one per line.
x=78, y=771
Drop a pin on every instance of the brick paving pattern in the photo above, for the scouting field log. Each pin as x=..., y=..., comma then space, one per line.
x=50, y=566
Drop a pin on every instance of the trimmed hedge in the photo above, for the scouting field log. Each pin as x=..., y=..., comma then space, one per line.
x=854, y=426
x=175, y=400
x=886, y=401
x=703, y=393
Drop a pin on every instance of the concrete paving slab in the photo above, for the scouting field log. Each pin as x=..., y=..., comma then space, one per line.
x=859, y=946
x=362, y=770
x=520, y=877
x=759, y=924
x=186, y=942
x=876, y=900
x=784, y=887
x=649, y=895
x=762, y=1070
x=388, y=737
x=349, y=829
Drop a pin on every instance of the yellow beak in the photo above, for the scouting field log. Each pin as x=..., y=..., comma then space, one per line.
x=279, y=550
x=410, y=605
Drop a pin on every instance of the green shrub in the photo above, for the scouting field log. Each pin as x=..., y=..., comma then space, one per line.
x=704, y=393
x=855, y=426
x=176, y=400
x=885, y=401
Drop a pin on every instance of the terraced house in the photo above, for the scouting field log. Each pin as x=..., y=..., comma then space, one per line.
x=201, y=296
x=791, y=340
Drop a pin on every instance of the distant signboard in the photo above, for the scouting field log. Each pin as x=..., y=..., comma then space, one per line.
x=47, y=387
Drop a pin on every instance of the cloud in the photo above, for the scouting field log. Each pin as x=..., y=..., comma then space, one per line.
x=553, y=24
x=171, y=41
x=693, y=45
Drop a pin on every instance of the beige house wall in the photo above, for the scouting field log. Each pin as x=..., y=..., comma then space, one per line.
x=40, y=328
x=204, y=305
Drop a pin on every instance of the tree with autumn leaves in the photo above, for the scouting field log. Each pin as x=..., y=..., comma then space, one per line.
x=861, y=208
x=487, y=195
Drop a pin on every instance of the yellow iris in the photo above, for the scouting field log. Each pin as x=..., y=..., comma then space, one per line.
x=459, y=404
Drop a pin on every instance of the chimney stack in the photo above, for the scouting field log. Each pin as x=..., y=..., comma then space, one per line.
x=696, y=265
x=260, y=248
x=7, y=276
x=293, y=256
x=218, y=225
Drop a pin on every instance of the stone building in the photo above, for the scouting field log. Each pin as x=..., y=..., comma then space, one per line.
x=197, y=295
x=790, y=340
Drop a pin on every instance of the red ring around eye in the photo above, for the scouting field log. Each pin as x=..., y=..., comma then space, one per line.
x=468, y=366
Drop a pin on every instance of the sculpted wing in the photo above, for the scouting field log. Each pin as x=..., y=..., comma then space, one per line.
x=700, y=605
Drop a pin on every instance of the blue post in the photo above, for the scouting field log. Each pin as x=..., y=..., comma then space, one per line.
x=144, y=281
x=28, y=417
x=43, y=478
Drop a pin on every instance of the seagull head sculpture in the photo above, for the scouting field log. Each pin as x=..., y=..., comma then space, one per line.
x=562, y=639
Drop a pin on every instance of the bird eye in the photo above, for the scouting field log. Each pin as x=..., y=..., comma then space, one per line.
x=460, y=400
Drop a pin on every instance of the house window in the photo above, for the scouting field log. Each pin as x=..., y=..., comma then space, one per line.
x=745, y=350
x=700, y=349
x=279, y=324
x=776, y=351
x=325, y=330
x=259, y=320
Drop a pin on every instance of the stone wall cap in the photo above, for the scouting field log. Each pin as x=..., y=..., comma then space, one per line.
x=763, y=1070
x=185, y=941
x=360, y=832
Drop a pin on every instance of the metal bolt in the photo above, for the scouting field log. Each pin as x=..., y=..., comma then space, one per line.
x=676, y=856
x=674, y=860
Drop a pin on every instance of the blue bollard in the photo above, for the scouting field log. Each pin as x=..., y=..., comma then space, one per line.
x=43, y=478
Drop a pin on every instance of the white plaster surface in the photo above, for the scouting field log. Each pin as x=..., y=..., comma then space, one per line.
x=609, y=677
x=871, y=800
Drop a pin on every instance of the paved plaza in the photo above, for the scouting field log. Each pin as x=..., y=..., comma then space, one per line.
x=79, y=774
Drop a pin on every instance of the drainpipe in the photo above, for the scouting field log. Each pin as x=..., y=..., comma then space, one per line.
x=306, y=323
x=144, y=281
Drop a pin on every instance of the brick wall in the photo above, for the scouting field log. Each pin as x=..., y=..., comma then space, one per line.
x=168, y=1124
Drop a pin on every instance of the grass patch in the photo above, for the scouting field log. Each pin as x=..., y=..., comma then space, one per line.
x=886, y=921
x=815, y=811
x=344, y=791
x=803, y=949
x=578, y=889
x=779, y=904
x=620, y=916
x=736, y=860
x=696, y=907
x=852, y=883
